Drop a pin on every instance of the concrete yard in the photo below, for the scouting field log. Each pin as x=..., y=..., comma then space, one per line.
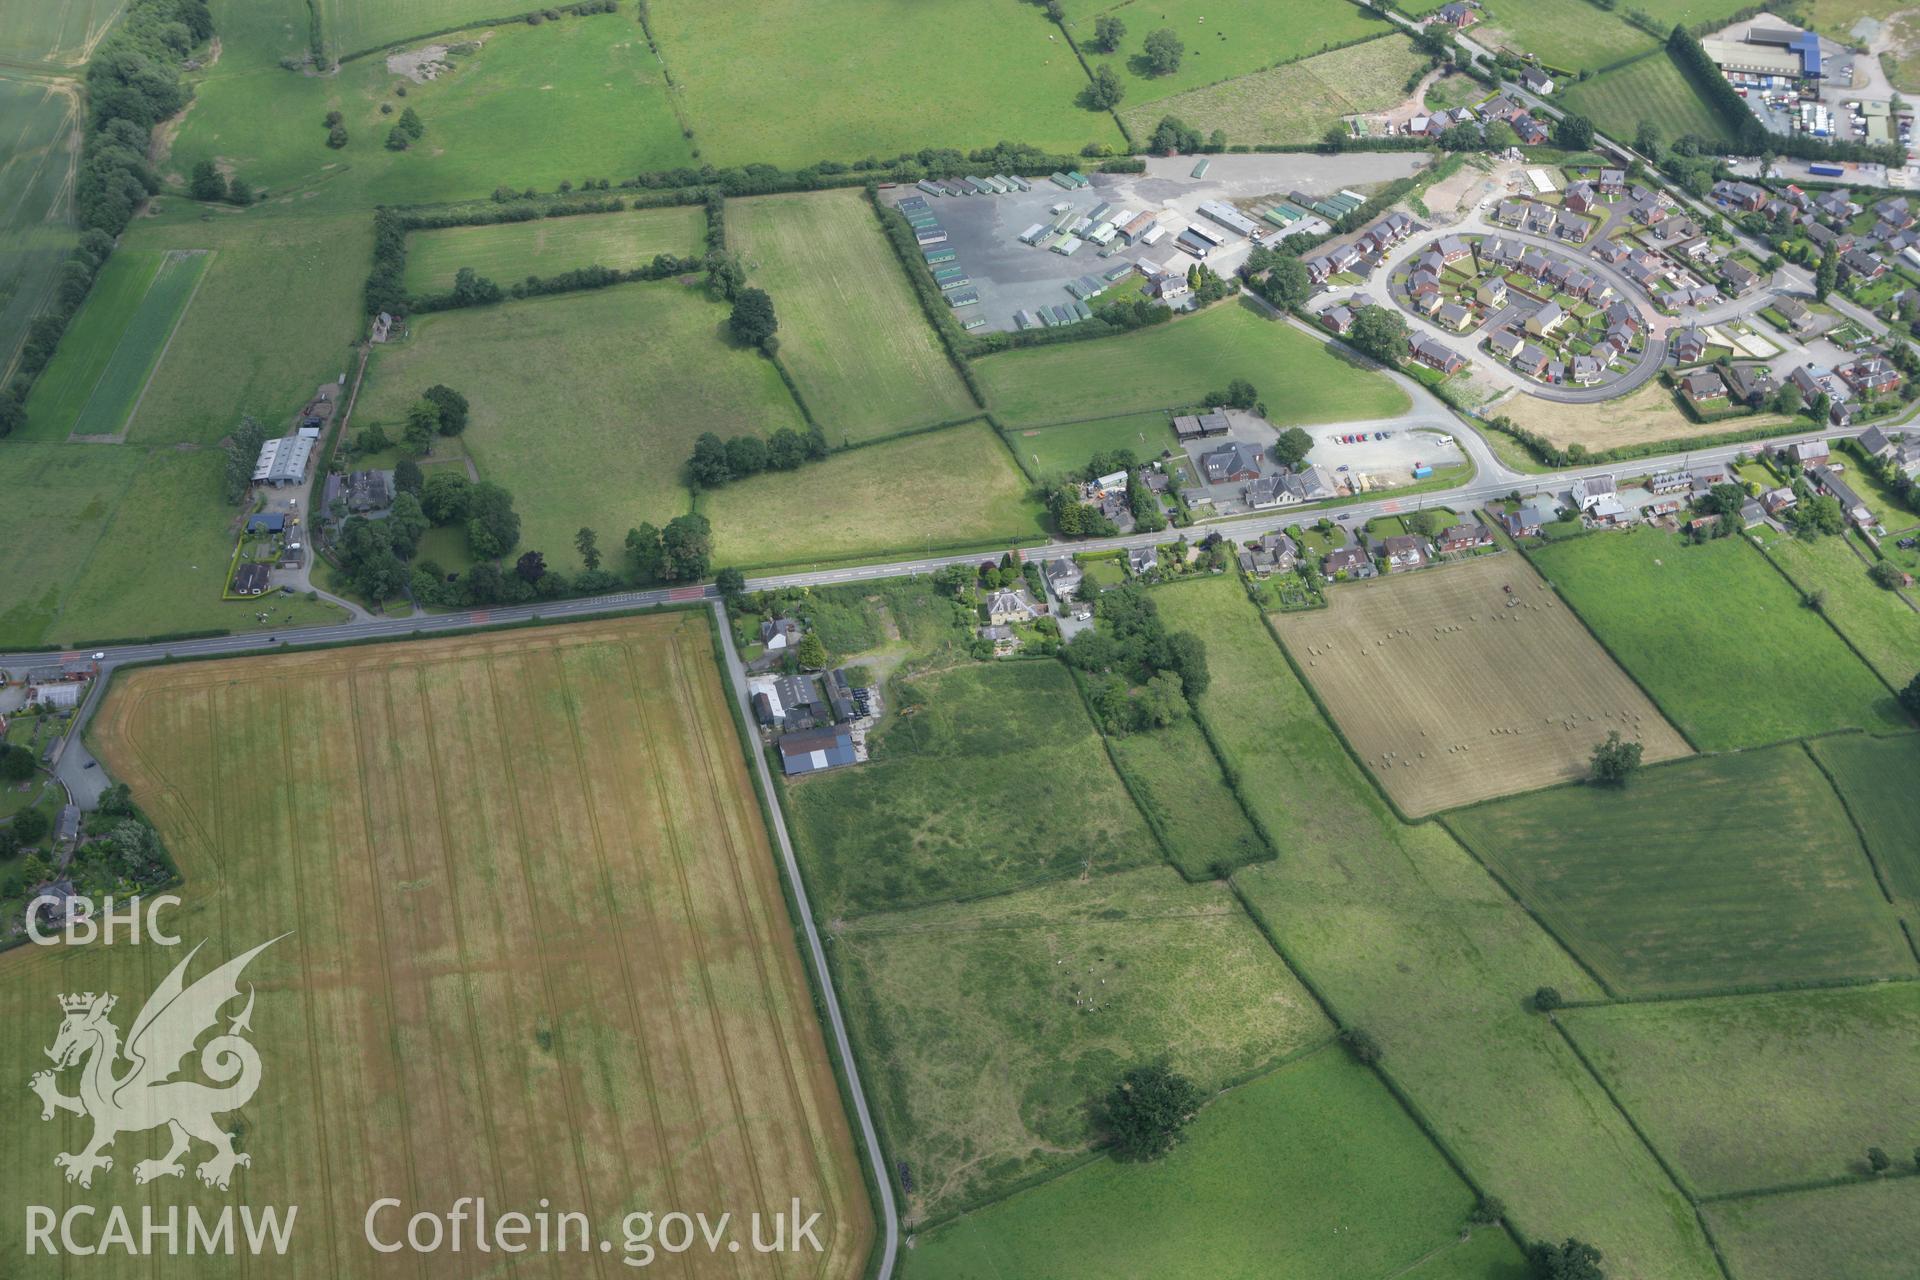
x=1009, y=276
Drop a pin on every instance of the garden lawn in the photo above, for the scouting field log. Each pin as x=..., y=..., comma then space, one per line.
x=1719, y=872
x=1311, y=1173
x=1881, y=625
x=1179, y=363
x=1653, y=87
x=1223, y=41
x=1051, y=453
x=1294, y=102
x=997, y=781
x=1177, y=782
x=851, y=330
x=986, y=1028
x=586, y=405
x=846, y=79
x=1867, y=1232
x=1565, y=34
x=1875, y=776
x=38, y=123
x=1718, y=638
x=508, y=252
x=942, y=489
x=1763, y=1090
x=574, y=99
x=1404, y=934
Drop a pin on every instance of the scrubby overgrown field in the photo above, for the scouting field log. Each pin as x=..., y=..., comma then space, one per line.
x=507, y=252
x=1468, y=681
x=537, y=945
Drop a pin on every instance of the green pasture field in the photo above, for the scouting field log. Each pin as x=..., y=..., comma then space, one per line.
x=508, y=252
x=243, y=349
x=1169, y=365
x=1690, y=1071
x=851, y=331
x=1050, y=453
x=102, y=407
x=878, y=499
x=1875, y=776
x=1689, y=13
x=258, y=33
x=1652, y=88
x=61, y=33
x=586, y=406
x=1563, y=33
x=38, y=126
x=987, y=1027
x=997, y=781
x=853, y=78
x=1405, y=935
x=84, y=562
x=1670, y=612
x=1177, y=782
x=1879, y=623
x=1869, y=1232
x=354, y=26
x=1294, y=102
x=575, y=99
x=91, y=339
x=1716, y=872
x=1223, y=41
x=1312, y=1172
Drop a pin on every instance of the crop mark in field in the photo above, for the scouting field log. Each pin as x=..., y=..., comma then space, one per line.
x=173, y=259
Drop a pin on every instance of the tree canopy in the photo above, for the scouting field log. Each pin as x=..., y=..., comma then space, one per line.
x=1145, y=1112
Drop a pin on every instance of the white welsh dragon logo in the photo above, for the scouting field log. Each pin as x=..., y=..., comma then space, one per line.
x=145, y=1095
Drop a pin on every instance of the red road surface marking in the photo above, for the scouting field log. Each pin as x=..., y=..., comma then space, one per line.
x=686, y=593
x=478, y=616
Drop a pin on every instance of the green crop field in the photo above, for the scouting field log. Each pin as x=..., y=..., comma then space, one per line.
x=1882, y=626
x=876, y=499
x=61, y=33
x=1177, y=781
x=1875, y=777
x=1690, y=13
x=997, y=781
x=1223, y=41
x=1863, y=1233
x=852, y=78
x=352, y=26
x=1563, y=33
x=108, y=370
x=586, y=406
x=1049, y=453
x=574, y=99
x=1294, y=102
x=1302, y=379
x=1405, y=935
x=243, y=349
x=38, y=128
x=1670, y=612
x=1722, y=871
x=987, y=1027
x=1689, y=1073
x=84, y=562
x=851, y=330
x=507, y=252
x=579, y=983
x=1651, y=88
x=1310, y=1173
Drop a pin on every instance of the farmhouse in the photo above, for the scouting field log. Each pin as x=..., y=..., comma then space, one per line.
x=283, y=461
x=816, y=749
x=778, y=633
x=250, y=580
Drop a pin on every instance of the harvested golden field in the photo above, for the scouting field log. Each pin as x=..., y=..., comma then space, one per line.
x=537, y=953
x=1452, y=690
